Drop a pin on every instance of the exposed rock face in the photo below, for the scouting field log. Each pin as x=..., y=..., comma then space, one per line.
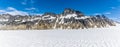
x=69, y=19
x=72, y=11
x=49, y=13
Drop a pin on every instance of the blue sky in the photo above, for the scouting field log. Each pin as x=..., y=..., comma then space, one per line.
x=111, y=8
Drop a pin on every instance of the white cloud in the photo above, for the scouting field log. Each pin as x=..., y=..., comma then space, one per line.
x=97, y=14
x=38, y=14
x=13, y=11
x=17, y=13
x=113, y=7
x=107, y=13
x=116, y=19
x=11, y=8
x=24, y=3
x=32, y=8
x=2, y=11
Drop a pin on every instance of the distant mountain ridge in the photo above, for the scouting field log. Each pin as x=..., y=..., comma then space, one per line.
x=68, y=19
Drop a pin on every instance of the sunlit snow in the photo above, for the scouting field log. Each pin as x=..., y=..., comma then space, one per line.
x=94, y=37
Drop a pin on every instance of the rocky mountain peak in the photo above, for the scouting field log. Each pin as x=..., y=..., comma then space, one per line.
x=50, y=14
x=69, y=19
x=72, y=11
x=68, y=11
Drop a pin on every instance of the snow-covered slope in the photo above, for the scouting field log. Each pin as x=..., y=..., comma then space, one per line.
x=92, y=37
x=68, y=19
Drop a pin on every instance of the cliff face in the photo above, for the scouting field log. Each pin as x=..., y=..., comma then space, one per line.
x=69, y=19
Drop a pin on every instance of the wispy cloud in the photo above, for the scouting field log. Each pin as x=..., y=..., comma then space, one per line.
x=11, y=8
x=32, y=8
x=113, y=7
x=24, y=2
x=13, y=11
x=97, y=14
x=2, y=11
x=107, y=13
x=116, y=19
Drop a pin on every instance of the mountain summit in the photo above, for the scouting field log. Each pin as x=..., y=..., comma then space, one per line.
x=68, y=19
x=72, y=11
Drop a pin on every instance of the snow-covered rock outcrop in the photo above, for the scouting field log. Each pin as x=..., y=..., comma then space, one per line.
x=68, y=19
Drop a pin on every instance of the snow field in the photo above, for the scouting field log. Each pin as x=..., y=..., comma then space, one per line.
x=94, y=37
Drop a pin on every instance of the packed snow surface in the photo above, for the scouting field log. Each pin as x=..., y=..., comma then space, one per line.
x=70, y=15
x=94, y=37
